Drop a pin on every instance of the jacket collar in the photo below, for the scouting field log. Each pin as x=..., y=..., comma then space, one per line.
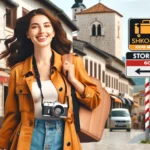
x=28, y=67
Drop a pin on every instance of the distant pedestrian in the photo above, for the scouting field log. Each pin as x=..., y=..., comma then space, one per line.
x=140, y=121
x=135, y=121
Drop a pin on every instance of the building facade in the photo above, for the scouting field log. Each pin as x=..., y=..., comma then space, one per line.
x=99, y=43
x=100, y=26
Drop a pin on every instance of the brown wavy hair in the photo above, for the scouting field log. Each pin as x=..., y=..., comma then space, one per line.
x=19, y=47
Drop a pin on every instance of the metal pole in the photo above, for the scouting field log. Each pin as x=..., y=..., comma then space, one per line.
x=147, y=92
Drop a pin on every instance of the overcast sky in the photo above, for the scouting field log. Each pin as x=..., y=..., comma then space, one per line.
x=128, y=8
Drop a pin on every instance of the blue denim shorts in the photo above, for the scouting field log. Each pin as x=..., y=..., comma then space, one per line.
x=48, y=135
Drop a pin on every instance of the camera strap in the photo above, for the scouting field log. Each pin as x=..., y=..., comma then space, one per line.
x=37, y=76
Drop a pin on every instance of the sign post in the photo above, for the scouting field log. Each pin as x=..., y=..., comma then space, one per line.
x=147, y=107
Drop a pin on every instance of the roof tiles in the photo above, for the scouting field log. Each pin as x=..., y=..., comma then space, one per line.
x=98, y=8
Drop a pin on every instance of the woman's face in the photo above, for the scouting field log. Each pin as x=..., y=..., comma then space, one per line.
x=40, y=31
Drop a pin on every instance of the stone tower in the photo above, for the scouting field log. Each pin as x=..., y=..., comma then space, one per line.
x=101, y=26
x=77, y=7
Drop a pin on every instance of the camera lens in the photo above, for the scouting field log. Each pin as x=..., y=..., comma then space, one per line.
x=58, y=110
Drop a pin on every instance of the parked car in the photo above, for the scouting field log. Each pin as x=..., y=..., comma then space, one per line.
x=120, y=119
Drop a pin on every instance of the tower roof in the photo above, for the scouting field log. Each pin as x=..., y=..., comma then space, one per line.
x=98, y=8
x=78, y=3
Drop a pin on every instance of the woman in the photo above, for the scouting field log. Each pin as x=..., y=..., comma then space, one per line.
x=37, y=76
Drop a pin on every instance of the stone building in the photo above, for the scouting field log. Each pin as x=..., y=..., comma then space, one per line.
x=99, y=25
x=139, y=100
x=99, y=43
x=10, y=10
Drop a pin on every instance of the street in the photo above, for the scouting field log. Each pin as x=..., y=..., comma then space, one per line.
x=119, y=140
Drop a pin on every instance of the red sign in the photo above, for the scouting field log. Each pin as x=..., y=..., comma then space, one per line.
x=4, y=79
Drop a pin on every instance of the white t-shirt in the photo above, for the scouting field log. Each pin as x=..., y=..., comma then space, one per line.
x=50, y=95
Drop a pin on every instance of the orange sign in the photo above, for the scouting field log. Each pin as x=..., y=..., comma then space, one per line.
x=139, y=34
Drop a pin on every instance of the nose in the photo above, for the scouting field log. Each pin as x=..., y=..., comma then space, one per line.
x=42, y=29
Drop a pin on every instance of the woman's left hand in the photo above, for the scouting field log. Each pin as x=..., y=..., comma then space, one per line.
x=68, y=70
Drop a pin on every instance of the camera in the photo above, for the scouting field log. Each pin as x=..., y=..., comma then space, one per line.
x=55, y=109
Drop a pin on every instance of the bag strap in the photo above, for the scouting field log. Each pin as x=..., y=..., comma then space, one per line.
x=69, y=58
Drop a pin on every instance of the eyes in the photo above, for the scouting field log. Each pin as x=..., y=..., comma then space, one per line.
x=37, y=26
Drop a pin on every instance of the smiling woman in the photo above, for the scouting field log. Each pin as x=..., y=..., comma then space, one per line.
x=37, y=113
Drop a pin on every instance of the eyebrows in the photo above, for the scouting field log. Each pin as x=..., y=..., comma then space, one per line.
x=38, y=23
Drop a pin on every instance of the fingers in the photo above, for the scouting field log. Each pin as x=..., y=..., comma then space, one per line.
x=68, y=68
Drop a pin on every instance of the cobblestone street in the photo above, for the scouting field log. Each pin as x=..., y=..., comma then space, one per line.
x=119, y=140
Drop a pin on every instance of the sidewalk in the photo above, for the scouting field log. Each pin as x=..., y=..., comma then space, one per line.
x=119, y=140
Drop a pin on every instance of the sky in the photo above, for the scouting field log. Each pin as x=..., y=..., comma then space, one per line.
x=128, y=8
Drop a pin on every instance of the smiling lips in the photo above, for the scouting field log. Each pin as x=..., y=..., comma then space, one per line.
x=42, y=38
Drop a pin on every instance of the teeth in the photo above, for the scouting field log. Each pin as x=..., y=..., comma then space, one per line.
x=40, y=38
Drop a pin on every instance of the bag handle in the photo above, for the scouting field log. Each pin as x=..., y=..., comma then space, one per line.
x=75, y=103
x=145, y=21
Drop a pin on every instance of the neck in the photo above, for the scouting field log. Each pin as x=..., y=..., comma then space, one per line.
x=42, y=56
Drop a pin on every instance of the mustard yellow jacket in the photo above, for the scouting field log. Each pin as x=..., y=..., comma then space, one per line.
x=18, y=122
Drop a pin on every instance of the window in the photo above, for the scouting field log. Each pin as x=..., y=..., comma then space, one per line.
x=117, y=84
x=91, y=68
x=99, y=30
x=11, y=17
x=140, y=101
x=74, y=16
x=120, y=87
x=130, y=92
x=127, y=89
x=24, y=11
x=86, y=65
x=109, y=81
x=99, y=72
x=118, y=36
x=95, y=70
x=106, y=80
x=103, y=76
x=114, y=83
x=93, y=30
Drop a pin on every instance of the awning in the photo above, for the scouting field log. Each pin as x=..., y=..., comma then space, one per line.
x=135, y=104
x=123, y=100
x=116, y=99
x=128, y=101
x=4, y=77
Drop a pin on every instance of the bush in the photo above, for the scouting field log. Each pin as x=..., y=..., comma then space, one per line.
x=145, y=142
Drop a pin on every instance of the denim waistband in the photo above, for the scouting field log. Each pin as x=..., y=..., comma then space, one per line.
x=47, y=122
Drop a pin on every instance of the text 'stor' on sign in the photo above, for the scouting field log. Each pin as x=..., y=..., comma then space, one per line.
x=138, y=64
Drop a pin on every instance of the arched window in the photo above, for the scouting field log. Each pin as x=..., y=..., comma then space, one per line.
x=118, y=36
x=93, y=30
x=99, y=30
x=75, y=10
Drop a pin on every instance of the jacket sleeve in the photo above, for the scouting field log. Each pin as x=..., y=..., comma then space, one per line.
x=11, y=114
x=91, y=97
